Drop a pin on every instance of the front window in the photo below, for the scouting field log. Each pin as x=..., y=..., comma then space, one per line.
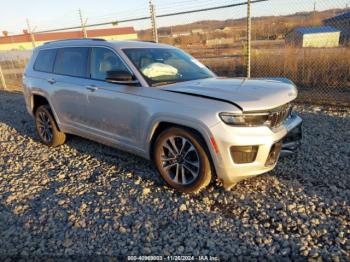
x=104, y=60
x=161, y=66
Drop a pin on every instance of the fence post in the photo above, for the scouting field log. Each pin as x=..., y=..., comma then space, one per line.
x=2, y=79
x=31, y=32
x=154, y=22
x=249, y=37
x=83, y=24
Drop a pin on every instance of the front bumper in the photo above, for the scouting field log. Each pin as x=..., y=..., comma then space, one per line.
x=270, y=143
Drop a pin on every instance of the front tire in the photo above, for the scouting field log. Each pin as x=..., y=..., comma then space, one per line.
x=182, y=160
x=46, y=127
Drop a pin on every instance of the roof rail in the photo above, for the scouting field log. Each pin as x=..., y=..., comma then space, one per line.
x=72, y=39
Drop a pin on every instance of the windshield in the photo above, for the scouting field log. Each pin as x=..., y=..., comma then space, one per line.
x=161, y=66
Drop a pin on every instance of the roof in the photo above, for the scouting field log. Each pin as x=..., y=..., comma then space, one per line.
x=316, y=30
x=98, y=42
x=338, y=17
x=64, y=35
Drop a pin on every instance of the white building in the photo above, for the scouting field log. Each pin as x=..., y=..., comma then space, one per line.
x=323, y=36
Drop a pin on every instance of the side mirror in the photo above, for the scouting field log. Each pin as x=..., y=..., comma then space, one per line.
x=121, y=77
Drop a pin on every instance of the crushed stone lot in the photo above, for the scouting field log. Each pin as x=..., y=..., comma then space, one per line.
x=86, y=200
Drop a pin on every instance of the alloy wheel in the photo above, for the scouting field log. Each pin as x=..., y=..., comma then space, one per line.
x=44, y=127
x=180, y=160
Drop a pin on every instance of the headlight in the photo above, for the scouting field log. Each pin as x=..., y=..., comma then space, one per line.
x=246, y=119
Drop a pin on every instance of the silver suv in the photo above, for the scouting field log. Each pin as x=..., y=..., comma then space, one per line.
x=160, y=103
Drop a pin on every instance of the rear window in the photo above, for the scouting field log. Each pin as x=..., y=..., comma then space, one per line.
x=44, y=61
x=72, y=61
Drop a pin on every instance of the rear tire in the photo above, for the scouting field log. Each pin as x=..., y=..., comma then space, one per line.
x=46, y=127
x=182, y=160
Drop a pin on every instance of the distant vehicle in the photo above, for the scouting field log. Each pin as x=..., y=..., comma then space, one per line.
x=160, y=103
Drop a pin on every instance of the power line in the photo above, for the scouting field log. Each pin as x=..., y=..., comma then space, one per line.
x=189, y=4
x=140, y=12
x=158, y=16
x=160, y=8
x=97, y=24
x=210, y=8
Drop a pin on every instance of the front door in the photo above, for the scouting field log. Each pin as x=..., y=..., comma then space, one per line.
x=114, y=110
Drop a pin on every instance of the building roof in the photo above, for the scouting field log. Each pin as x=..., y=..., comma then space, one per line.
x=338, y=17
x=95, y=33
x=316, y=30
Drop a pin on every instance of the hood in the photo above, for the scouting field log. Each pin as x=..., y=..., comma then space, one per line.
x=249, y=95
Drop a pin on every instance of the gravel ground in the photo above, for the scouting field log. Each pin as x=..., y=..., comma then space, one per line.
x=86, y=200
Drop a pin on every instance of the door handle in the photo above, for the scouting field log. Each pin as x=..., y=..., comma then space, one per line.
x=91, y=88
x=51, y=81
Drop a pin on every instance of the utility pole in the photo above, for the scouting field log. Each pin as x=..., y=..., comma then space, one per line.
x=314, y=13
x=83, y=24
x=2, y=79
x=31, y=32
x=249, y=37
x=153, y=21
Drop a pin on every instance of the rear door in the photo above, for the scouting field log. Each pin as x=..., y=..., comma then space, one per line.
x=70, y=77
x=38, y=76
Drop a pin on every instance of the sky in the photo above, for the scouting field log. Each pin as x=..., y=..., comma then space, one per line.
x=51, y=14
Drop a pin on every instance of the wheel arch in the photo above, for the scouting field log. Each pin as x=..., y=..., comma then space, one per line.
x=159, y=127
x=38, y=100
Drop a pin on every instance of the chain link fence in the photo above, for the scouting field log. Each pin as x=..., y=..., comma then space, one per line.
x=305, y=41
x=12, y=64
x=313, y=49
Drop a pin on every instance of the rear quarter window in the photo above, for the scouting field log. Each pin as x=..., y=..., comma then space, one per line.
x=72, y=61
x=45, y=60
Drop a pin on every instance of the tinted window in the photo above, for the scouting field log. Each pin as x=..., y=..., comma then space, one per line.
x=104, y=60
x=44, y=61
x=72, y=61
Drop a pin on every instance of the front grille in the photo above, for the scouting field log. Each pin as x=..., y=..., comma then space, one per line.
x=279, y=115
